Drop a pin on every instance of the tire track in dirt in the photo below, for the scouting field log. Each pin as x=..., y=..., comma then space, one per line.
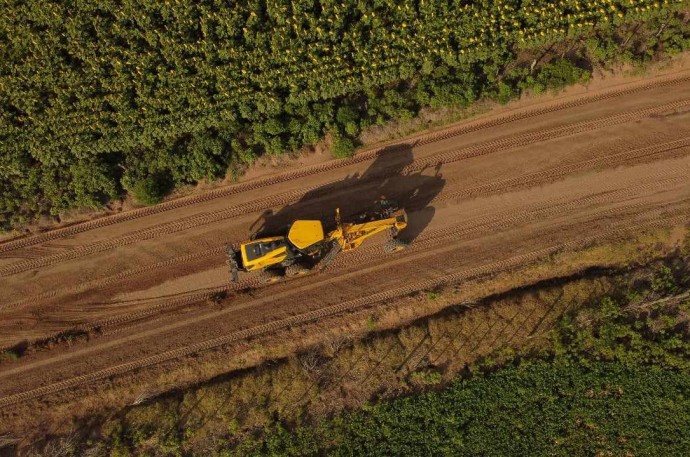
x=523, y=180
x=445, y=157
x=558, y=172
x=105, y=281
x=427, y=242
x=325, y=312
x=508, y=219
x=363, y=156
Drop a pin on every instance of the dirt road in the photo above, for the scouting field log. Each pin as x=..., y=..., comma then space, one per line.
x=146, y=286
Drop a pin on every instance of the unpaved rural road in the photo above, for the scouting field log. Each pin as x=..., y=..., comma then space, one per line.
x=146, y=286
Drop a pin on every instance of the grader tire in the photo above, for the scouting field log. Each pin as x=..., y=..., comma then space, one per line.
x=394, y=246
x=295, y=270
x=270, y=276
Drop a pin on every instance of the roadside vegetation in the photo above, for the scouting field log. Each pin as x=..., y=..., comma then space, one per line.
x=98, y=99
x=596, y=363
x=613, y=380
x=541, y=408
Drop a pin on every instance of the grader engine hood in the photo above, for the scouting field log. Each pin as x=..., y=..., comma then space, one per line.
x=303, y=234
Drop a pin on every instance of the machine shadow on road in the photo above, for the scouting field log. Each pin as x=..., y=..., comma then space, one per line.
x=393, y=176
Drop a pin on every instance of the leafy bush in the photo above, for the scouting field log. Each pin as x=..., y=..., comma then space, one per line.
x=556, y=75
x=505, y=93
x=151, y=189
x=655, y=335
x=426, y=378
x=342, y=146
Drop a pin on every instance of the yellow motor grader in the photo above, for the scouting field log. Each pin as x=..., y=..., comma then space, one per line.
x=306, y=247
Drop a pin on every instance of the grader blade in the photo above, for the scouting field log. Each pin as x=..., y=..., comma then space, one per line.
x=326, y=260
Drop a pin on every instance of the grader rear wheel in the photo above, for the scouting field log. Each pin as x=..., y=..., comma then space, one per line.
x=295, y=270
x=395, y=245
x=270, y=276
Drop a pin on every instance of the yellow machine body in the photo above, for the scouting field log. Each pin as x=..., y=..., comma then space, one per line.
x=351, y=236
x=303, y=234
x=305, y=240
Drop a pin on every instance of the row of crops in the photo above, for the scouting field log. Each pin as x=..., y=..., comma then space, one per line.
x=97, y=95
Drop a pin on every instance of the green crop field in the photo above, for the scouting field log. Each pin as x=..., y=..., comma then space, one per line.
x=100, y=98
x=543, y=409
